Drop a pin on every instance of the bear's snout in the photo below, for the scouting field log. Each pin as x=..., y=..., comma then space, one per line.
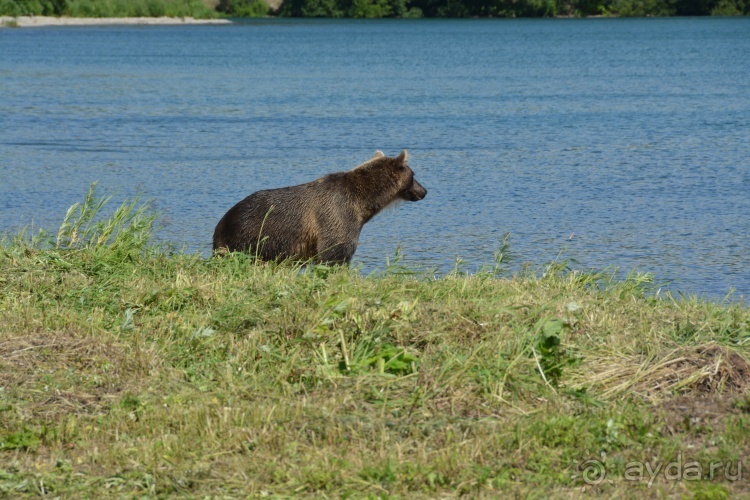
x=417, y=191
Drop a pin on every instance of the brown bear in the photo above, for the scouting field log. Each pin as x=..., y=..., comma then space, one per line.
x=320, y=220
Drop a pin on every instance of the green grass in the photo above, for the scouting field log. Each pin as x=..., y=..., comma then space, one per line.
x=127, y=369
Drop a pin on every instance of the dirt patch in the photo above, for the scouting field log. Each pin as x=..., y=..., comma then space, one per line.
x=712, y=369
x=685, y=414
x=699, y=422
x=275, y=5
x=705, y=369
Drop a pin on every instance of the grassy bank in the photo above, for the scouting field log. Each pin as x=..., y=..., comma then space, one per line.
x=128, y=369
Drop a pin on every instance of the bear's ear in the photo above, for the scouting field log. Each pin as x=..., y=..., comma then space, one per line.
x=378, y=154
x=402, y=159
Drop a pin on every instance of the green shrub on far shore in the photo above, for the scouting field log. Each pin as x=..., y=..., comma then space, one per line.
x=347, y=8
x=731, y=8
x=139, y=8
x=107, y=8
x=243, y=8
x=32, y=7
x=643, y=8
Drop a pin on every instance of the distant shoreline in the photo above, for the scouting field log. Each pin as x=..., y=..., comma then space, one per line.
x=40, y=21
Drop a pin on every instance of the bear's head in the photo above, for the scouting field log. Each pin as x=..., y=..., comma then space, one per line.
x=382, y=181
x=411, y=189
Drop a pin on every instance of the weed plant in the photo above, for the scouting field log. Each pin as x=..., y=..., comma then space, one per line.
x=129, y=369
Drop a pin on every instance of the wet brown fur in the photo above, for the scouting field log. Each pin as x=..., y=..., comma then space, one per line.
x=319, y=220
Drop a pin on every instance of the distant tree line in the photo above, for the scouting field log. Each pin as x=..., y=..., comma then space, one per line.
x=376, y=8
x=495, y=8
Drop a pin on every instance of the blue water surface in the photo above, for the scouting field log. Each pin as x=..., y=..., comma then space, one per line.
x=601, y=142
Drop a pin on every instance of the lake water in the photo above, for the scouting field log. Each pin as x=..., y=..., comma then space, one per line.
x=622, y=142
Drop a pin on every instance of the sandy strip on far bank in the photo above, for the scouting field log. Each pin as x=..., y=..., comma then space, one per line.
x=34, y=21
